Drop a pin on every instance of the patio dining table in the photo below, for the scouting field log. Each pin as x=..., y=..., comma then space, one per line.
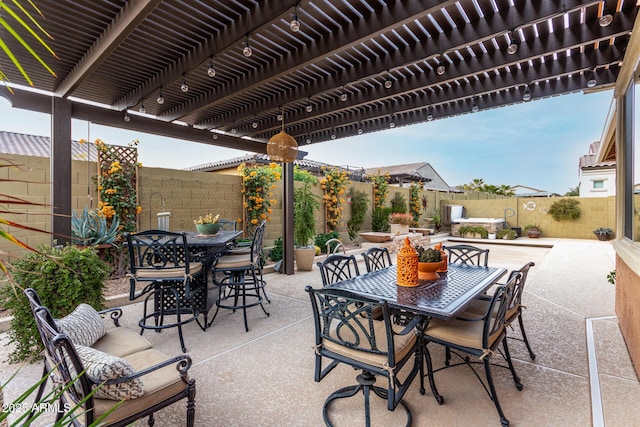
x=442, y=298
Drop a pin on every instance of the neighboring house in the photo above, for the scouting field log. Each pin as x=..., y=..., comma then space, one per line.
x=40, y=146
x=414, y=172
x=524, y=191
x=230, y=166
x=597, y=179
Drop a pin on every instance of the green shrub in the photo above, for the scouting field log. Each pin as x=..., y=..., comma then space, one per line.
x=359, y=202
x=565, y=209
x=398, y=203
x=63, y=278
x=506, y=233
x=322, y=239
x=276, y=251
x=380, y=219
x=428, y=255
x=474, y=229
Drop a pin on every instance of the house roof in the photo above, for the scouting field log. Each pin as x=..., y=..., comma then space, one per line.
x=397, y=62
x=40, y=146
x=310, y=165
x=590, y=161
x=414, y=172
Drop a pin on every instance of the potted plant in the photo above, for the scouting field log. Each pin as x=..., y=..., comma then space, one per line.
x=305, y=205
x=429, y=261
x=400, y=222
x=506, y=234
x=533, y=231
x=436, y=219
x=208, y=224
x=474, y=232
x=603, y=233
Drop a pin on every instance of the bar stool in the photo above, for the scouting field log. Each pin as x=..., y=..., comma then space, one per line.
x=242, y=285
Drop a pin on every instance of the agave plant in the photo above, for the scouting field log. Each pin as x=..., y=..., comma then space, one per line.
x=91, y=228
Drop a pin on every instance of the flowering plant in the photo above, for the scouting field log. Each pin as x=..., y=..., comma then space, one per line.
x=118, y=167
x=207, y=219
x=380, y=189
x=334, y=184
x=257, y=183
x=414, y=204
x=401, y=218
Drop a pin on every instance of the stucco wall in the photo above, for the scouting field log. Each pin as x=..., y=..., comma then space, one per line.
x=595, y=212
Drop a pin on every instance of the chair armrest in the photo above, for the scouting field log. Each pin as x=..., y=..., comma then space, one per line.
x=182, y=362
x=114, y=313
x=412, y=325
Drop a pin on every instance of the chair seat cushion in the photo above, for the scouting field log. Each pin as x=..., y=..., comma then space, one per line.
x=121, y=342
x=195, y=268
x=480, y=307
x=159, y=385
x=84, y=325
x=403, y=345
x=234, y=261
x=460, y=332
x=100, y=367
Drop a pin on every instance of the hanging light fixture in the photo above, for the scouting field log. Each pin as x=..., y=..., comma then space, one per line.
x=142, y=109
x=527, y=94
x=211, y=72
x=429, y=115
x=309, y=107
x=592, y=82
x=388, y=82
x=475, y=108
x=606, y=19
x=282, y=147
x=360, y=131
x=160, y=98
x=247, y=51
x=441, y=68
x=392, y=124
x=127, y=117
x=308, y=139
x=184, y=87
x=343, y=95
x=333, y=134
x=295, y=24
x=254, y=124
x=279, y=117
x=215, y=135
x=512, y=47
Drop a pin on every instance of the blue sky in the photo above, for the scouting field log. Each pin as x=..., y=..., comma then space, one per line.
x=537, y=144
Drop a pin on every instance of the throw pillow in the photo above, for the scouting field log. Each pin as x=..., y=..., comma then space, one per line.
x=100, y=367
x=84, y=325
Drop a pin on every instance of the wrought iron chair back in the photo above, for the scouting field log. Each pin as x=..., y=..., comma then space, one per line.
x=376, y=259
x=227, y=224
x=336, y=268
x=347, y=332
x=467, y=254
x=75, y=390
x=457, y=337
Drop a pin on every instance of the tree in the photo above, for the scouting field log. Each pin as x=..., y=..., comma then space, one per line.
x=575, y=191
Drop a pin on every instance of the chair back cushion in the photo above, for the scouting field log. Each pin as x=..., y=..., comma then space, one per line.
x=84, y=325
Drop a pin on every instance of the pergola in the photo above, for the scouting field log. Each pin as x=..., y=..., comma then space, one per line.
x=227, y=72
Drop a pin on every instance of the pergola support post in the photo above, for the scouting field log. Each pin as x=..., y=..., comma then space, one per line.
x=61, y=170
x=287, y=226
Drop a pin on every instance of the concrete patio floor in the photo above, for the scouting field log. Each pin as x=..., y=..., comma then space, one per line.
x=582, y=374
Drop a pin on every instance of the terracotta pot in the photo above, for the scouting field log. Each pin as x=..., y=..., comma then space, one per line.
x=445, y=264
x=427, y=270
x=533, y=234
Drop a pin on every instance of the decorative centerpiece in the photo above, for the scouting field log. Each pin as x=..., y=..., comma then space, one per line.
x=400, y=222
x=429, y=261
x=208, y=224
x=407, y=269
x=445, y=259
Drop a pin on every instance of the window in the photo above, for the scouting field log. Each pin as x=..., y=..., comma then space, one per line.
x=598, y=184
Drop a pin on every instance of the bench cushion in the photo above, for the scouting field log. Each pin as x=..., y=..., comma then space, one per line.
x=100, y=367
x=84, y=325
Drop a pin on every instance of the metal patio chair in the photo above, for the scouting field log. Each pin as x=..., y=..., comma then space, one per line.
x=467, y=254
x=376, y=259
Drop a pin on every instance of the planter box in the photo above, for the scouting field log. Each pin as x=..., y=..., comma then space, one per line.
x=397, y=229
